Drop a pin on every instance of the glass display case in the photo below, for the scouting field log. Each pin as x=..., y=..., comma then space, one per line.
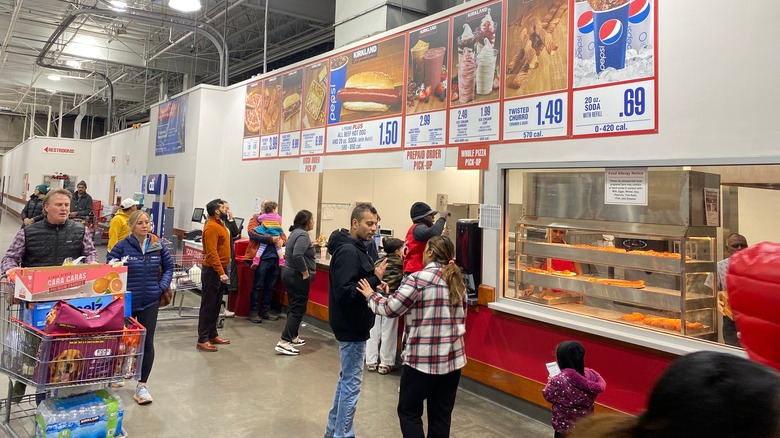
x=654, y=276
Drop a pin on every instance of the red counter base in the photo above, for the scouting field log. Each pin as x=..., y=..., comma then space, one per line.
x=238, y=301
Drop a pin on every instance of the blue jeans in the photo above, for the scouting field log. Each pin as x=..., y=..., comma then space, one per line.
x=342, y=414
x=263, y=284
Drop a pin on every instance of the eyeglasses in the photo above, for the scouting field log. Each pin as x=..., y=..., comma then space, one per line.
x=738, y=246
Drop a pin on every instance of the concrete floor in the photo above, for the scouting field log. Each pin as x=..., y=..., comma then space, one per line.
x=246, y=389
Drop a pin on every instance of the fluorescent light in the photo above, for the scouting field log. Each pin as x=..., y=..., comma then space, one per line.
x=118, y=5
x=51, y=91
x=54, y=77
x=73, y=63
x=185, y=5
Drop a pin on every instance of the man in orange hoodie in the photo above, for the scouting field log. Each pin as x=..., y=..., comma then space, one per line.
x=214, y=277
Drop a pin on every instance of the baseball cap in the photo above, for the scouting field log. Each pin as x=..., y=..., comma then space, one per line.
x=127, y=203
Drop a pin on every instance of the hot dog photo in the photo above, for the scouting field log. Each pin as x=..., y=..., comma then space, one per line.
x=291, y=102
x=367, y=82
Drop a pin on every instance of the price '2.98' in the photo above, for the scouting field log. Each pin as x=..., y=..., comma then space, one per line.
x=388, y=133
x=553, y=112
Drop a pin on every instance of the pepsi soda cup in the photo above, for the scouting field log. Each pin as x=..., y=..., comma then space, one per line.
x=640, y=14
x=610, y=34
x=583, y=32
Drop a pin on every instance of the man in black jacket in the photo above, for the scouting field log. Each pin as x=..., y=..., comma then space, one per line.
x=81, y=205
x=34, y=206
x=349, y=316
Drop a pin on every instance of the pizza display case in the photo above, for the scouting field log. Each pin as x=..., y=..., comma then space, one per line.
x=633, y=270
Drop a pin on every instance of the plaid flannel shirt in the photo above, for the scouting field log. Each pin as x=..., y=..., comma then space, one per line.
x=433, y=329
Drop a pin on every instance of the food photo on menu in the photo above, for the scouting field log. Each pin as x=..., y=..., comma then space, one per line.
x=536, y=47
x=426, y=86
x=253, y=109
x=614, y=40
x=315, y=81
x=474, y=68
x=367, y=82
x=272, y=96
x=291, y=103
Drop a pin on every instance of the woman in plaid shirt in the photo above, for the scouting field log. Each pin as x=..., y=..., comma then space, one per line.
x=434, y=304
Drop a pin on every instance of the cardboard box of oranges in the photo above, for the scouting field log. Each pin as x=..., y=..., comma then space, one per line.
x=64, y=282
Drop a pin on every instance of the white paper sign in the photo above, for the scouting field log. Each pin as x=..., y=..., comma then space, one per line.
x=251, y=148
x=365, y=136
x=424, y=159
x=313, y=142
x=289, y=144
x=311, y=164
x=536, y=117
x=475, y=124
x=269, y=146
x=490, y=216
x=615, y=109
x=625, y=186
x=426, y=129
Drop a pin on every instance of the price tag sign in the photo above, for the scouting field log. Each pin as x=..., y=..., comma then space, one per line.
x=427, y=129
x=365, y=136
x=251, y=148
x=311, y=164
x=313, y=142
x=269, y=146
x=289, y=144
x=475, y=123
x=424, y=159
x=536, y=117
x=616, y=109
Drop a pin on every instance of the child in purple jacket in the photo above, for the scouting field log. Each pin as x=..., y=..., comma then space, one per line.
x=573, y=391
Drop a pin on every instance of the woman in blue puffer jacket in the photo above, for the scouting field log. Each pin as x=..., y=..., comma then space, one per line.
x=149, y=273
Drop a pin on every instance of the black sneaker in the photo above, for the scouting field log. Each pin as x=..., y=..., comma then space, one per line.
x=270, y=316
x=256, y=319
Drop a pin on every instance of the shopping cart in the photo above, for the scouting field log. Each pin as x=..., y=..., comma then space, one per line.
x=49, y=363
x=186, y=278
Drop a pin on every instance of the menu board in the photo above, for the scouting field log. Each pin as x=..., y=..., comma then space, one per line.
x=426, y=88
x=253, y=113
x=613, y=58
x=537, y=51
x=315, y=108
x=269, y=123
x=476, y=41
x=365, y=97
x=290, y=137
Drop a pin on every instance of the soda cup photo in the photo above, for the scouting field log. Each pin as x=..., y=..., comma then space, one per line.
x=610, y=35
x=583, y=30
x=640, y=24
x=338, y=77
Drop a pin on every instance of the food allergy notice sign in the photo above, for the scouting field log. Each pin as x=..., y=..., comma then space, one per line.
x=625, y=186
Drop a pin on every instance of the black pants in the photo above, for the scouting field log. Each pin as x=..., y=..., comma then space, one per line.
x=263, y=285
x=148, y=319
x=297, y=296
x=438, y=390
x=210, y=303
x=730, y=332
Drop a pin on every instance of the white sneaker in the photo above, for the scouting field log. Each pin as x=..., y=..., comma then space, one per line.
x=229, y=314
x=142, y=396
x=286, y=348
x=298, y=342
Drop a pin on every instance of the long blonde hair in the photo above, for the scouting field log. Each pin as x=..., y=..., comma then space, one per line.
x=444, y=253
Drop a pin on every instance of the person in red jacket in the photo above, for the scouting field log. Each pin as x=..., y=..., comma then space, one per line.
x=420, y=233
x=753, y=282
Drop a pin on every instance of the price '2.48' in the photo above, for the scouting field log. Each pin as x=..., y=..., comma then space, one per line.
x=388, y=133
x=553, y=112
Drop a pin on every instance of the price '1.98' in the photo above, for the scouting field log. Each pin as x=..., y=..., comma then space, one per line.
x=553, y=112
x=388, y=133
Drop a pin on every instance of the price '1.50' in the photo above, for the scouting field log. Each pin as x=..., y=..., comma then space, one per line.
x=553, y=112
x=388, y=133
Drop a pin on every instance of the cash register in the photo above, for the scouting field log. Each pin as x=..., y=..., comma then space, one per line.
x=197, y=216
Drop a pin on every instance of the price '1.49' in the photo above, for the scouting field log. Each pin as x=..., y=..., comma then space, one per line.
x=388, y=133
x=553, y=112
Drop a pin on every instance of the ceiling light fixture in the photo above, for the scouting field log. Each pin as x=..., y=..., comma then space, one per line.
x=54, y=77
x=185, y=5
x=73, y=63
x=118, y=5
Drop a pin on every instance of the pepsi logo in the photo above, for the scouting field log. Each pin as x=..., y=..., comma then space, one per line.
x=585, y=22
x=638, y=11
x=611, y=31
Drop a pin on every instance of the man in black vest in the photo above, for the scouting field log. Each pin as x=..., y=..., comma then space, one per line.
x=49, y=242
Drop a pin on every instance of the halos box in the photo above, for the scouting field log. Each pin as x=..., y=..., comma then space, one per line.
x=64, y=282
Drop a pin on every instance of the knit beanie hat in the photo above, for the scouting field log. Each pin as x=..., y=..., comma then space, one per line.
x=419, y=210
x=391, y=244
x=42, y=189
x=82, y=183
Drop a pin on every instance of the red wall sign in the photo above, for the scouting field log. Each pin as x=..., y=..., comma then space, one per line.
x=473, y=157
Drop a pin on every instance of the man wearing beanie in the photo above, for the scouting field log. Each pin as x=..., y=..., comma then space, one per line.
x=420, y=232
x=34, y=206
x=118, y=228
x=81, y=206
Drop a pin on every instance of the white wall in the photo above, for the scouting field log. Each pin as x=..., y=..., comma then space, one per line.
x=759, y=215
x=129, y=148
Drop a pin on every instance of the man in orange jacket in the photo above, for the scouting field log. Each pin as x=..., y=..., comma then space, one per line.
x=214, y=277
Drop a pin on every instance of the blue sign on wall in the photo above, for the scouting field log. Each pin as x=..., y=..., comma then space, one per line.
x=170, y=127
